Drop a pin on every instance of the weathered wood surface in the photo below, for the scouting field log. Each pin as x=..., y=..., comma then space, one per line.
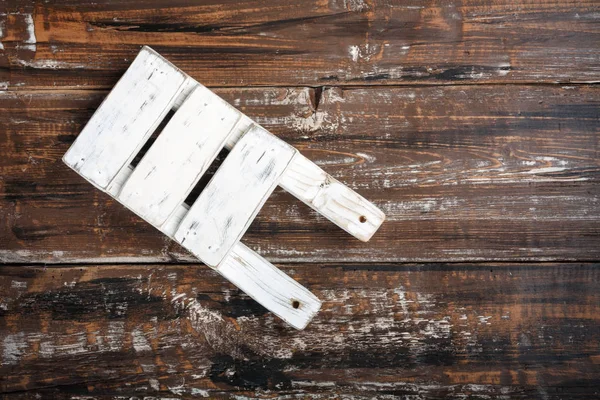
x=338, y=42
x=462, y=173
x=483, y=164
x=439, y=331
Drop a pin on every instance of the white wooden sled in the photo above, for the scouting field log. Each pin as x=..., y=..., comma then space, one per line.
x=202, y=124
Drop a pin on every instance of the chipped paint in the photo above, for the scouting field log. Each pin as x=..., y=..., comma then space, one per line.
x=31, y=39
x=49, y=64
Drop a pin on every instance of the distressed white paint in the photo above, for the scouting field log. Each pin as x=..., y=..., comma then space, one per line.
x=31, y=40
x=123, y=123
x=139, y=341
x=233, y=197
x=212, y=227
x=344, y=207
x=180, y=156
x=1, y=33
x=284, y=296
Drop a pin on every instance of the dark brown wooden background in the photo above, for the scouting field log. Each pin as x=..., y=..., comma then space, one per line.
x=474, y=125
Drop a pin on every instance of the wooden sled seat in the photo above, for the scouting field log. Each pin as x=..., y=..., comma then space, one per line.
x=200, y=127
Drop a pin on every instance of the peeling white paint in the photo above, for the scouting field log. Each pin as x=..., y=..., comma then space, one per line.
x=18, y=285
x=140, y=343
x=354, y=52
x=544, y=170
x=14, y=345
x=154, y=384
x=356, y=5
x=1, y=33
x=200, y=392
x=367, y=157
x=50, y=64
x=31, y=39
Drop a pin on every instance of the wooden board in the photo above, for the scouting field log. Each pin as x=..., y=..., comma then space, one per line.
x=78, y=45
x=462, y=173
x=335, y=201
x=269, y=286
x=522, y=331
x=226, y=207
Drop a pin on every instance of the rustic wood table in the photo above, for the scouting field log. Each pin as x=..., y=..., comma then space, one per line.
x=474, y=125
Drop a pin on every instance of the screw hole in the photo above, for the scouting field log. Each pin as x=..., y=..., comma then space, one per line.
x=362, y=219
x=295, y=304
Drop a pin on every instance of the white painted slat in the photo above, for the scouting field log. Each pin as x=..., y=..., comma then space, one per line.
x=266, y=284
x=180, y=156
x=337, y=202
x=126, y=118
x=235, y=194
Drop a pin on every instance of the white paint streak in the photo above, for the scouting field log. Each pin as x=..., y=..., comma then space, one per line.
x=200, y=392
x=14, y=345
x=154, y=384
x=544, y=170
x=354, y=52
x=18, y=285
x=31, y=39
x=140, y=343
x=1, y=35
x=49, y=64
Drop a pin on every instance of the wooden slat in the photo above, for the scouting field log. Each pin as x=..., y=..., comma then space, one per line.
x=233, y=197
x=118, y=129
x=342, y=206
x=462, y=173
x=445, y=331
x=311, y=42
x=272, y=288
x=179, y=157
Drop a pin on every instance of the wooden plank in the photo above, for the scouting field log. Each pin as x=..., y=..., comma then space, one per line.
x=116, y=132
x=50, y=45
x=338, y=203
x=220, y=216
x=179, y=157
x=272, y=288
x=453, y=331
x=462, y=173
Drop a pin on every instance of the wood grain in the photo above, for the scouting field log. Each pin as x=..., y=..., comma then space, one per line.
x=523, y=331
x=462, y=173
x=74, y=44
x=470, y=123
